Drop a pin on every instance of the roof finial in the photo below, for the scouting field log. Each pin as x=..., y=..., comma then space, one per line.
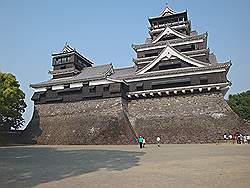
x=167, y=10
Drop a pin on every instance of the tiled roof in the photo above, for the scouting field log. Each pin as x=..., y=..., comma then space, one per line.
x=212, y=58
x=174, y=41
x=88, y=73
x=94, y=72
x=188, y=53
x=100, y=72
x=124, y=72
x=181, y=70
x=158, y=17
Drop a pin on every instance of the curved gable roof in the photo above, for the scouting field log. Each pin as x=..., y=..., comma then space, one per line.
x=167, y=31
x=168, y=52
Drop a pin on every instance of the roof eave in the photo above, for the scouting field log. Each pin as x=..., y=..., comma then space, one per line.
x=158, y=17
x=39, y=85
x=73, y=52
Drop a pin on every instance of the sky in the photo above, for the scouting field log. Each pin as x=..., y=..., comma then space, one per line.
x=103, y=31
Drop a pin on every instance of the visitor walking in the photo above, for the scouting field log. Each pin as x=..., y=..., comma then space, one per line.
x=158, y=139
x=248, y=139
x=143, y=142
x=245, y=139
x=140, y=141
x=225, y=136
x=241, y=139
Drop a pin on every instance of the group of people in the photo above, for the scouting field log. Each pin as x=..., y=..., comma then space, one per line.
x=237, y=138
x=142, y=141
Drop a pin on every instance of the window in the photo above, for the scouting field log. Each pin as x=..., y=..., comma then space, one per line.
x=58, y=60
x=175, y=20
x=115, y=88
x=171, y=83
x=139, y=86
x=62, y=60
x=63, y=67
x=151, y=54
x=79, y=62
x=92, y=89
x=85, y=84
x=171, y=37
x=203, y=80
x=66, y=86
x=186, y=49
x=106, y=88
x=170, y=66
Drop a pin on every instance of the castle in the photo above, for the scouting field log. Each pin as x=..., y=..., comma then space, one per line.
x=175, y=90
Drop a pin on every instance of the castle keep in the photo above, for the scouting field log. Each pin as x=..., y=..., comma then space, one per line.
x=175, y=90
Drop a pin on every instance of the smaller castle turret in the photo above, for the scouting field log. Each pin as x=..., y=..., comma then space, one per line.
x=68, y=63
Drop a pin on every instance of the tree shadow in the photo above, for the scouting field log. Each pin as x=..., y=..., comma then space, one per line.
x=27, y=167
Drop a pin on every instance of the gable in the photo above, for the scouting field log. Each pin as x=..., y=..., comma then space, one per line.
x=167, y=11
x=67, y=49
x=167, y=32
x=172, y=63
x=167, y=53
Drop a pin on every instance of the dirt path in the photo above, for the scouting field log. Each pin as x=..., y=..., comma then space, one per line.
x=126, y=166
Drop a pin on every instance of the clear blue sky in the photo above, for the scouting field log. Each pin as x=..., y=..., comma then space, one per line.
x=104, y=31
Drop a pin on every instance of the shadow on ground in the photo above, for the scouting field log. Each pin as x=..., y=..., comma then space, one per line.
x=27, y=167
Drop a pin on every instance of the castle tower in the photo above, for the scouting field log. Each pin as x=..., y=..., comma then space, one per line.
x=174, y=47
x=180, y=86
x=68, y=63
x=175, y=90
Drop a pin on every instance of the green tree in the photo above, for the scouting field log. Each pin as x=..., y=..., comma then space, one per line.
x=240, y=103
x=12, y=103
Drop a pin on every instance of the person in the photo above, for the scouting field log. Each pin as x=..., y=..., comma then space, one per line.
x=234, y=138
x=134, y=140
x=140, y=141
x=158, y=139
x=225, y=136
x=238, y=139
x=244, y=139
x=248, y=139
x=143, y=142
x=241, y=139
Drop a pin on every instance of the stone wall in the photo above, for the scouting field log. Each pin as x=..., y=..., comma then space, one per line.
x=184, y=119
x=176, y=119
x=101, y=121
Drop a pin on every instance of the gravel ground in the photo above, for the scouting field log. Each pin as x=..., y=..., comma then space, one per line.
x=194, y=165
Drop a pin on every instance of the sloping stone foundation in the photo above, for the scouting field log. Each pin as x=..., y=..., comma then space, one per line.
x=197, y=118
x=200, y=118
x=101, y=121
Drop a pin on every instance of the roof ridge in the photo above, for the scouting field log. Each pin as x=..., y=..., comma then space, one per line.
x=124, y=68
x=99, y=66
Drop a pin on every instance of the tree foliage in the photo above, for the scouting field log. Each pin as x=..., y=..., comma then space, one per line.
x=12, y=103
x=240, y=103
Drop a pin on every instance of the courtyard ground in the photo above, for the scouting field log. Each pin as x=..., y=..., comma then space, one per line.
x=208, y=165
